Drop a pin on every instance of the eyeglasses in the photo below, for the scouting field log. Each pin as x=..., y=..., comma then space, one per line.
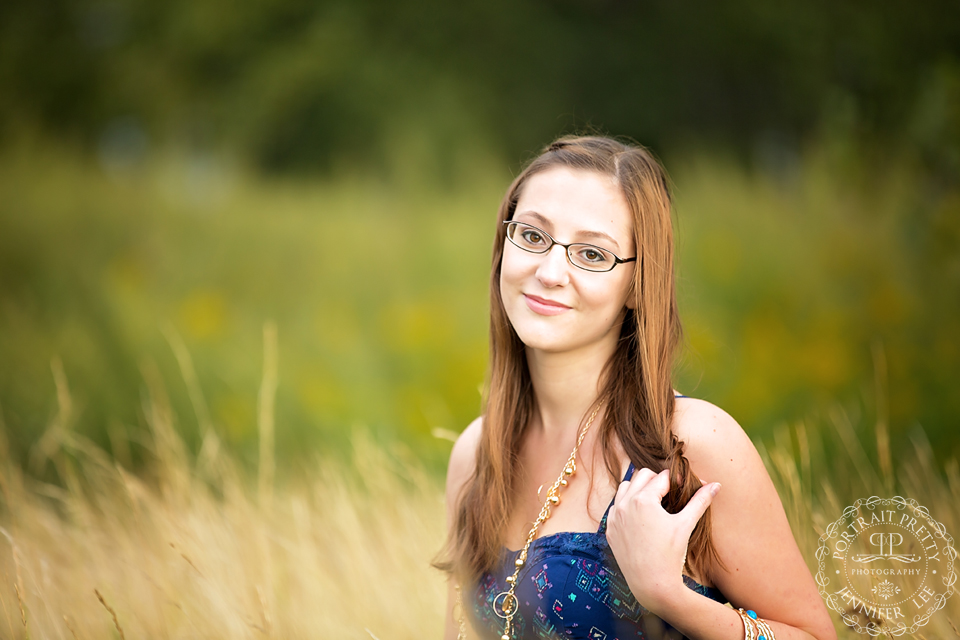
x=585, y=256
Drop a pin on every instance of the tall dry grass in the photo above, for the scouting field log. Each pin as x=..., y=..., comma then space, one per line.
x=823, y=465
x=193, y=547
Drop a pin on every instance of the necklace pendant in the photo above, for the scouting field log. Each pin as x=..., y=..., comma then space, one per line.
x=505, y=605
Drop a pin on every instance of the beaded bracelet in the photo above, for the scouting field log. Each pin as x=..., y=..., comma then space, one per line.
x=750, y=620
x=765, y=629
x=748, y=633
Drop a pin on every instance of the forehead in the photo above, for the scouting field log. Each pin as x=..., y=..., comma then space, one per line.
x=576, y=204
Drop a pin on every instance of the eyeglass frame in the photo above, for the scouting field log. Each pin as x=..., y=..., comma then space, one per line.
x=616, y=259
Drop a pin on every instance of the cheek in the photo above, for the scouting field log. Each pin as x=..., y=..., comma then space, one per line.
x=610, y=297
x=506, y=274
x=508, y=281
x=513, y=269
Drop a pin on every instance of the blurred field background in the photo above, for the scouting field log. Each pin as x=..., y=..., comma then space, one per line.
x=185, y=184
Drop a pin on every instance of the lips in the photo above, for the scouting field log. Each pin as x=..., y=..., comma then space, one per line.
x=543, y=306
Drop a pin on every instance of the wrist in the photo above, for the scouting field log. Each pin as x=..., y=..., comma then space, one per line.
x=661, y=597
x=669, y=601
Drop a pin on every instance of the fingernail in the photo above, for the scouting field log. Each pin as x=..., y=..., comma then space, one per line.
x=715, y=489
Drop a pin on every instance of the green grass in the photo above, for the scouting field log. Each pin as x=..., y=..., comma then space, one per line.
x=795, y=288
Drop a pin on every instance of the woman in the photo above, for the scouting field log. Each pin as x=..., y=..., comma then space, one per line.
x=581, y=414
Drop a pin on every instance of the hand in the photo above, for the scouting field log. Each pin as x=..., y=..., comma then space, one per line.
x=650, y=544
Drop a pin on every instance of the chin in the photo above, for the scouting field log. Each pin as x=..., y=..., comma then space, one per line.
x=537, y=332
x=545, y=345
x=549, y=336
x=549, y=341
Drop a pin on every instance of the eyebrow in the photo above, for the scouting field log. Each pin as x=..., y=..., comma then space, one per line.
x=582, y=233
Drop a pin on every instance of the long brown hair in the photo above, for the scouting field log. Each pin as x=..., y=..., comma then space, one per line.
x=636, y=386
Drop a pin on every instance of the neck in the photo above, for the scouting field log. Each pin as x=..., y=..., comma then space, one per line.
x=565, y=385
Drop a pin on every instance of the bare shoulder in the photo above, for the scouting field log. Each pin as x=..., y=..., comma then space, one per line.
x=762, y=567
x=463, y=460
x=716, y=446
x=719, y=450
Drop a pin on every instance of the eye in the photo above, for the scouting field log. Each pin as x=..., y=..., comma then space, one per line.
x=591, y=258
x=532, y=236
x=592, y=255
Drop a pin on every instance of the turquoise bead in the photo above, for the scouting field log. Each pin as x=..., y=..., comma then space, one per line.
x=752, y=613
x=762, y=638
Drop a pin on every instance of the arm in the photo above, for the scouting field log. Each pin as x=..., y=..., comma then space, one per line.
x=462, y=462
x=764, y=568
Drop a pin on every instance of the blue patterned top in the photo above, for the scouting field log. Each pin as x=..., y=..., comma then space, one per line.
x=572, y=588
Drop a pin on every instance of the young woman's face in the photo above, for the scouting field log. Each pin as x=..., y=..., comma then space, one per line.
x=553, y=305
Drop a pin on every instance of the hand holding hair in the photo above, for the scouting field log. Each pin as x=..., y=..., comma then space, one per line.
x=649, y=543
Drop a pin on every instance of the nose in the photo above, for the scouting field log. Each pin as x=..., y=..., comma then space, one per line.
x=554, y=267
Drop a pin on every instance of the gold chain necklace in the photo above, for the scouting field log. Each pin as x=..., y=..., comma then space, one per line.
x=505, y=605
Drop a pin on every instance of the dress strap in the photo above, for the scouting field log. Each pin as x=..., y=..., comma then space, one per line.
x=626, y=478
x=603, y=521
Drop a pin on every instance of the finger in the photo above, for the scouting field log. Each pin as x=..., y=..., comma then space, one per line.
x=656, y=484
x=640, y=479
x=621, y=491
x=699, y=503
x=661, y=484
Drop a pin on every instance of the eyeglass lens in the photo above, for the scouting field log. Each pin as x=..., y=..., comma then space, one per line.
x=585, y=256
